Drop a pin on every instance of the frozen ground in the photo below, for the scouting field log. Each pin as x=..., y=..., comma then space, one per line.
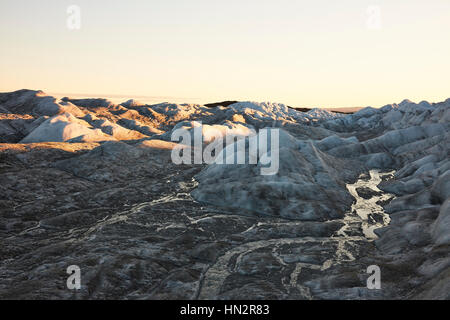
x=91, y=183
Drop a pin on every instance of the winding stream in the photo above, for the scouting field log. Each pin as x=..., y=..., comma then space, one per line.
x=367, y=211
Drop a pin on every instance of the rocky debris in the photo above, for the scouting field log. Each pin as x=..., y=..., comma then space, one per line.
x=220, y=104
x=367, y=193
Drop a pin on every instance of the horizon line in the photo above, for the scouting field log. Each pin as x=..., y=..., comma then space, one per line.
x=128, y=97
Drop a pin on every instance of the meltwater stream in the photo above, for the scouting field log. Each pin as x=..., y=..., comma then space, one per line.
x=367, y=210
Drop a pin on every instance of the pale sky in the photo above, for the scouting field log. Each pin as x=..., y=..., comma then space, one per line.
x=317, y=53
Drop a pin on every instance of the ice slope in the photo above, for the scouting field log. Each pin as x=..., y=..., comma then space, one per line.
x=308, y=186
x=62, y=128
x=36, y=103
